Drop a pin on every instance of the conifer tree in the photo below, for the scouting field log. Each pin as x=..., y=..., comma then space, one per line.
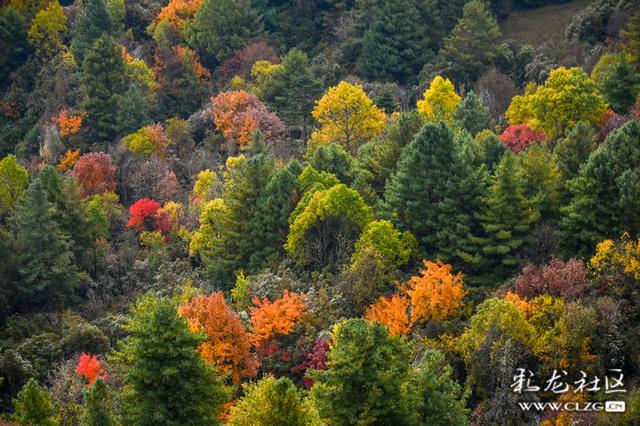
x=605, y=197
x=168, y=382
x=294, y=89
x=103, y=83
x=574, y=149
x=46, y=265
x=506, y=221
x=472, y=115
x=33, y=406
x=365, y=378
x=98, y=409
x=395, y=45
x=436, y=180
x=221, y=27
x=472, y=45
x=621, y=85
x=269, y=225
x=93, y=21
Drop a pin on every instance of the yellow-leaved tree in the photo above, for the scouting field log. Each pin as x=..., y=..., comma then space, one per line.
x=439, y=101
x=347, y=116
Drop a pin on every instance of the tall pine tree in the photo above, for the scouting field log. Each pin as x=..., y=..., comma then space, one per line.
x=506, y=221
x=46, y=263
x=436, y=180
x=167, y=380
x=93, y=20
x=394, y=42
x=103, y=82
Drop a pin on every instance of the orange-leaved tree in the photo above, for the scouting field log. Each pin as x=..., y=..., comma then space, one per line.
x=229, y=344
x=392, y=311
x=270, y=319
x=238, y=114
x=436, y=293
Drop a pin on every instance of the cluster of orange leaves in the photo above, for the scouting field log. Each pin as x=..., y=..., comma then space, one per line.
x=239, y=114
x=228, y=345
x=68, y=124
x=521, y=303
x=436, y=294
x=89, y=367
x=176, y=12
x=190, y=56
x=68, y=160
x=269, y=319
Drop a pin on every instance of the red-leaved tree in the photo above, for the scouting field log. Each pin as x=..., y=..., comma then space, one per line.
x=145, y=216
x=89, y=367
x=519, y=137
x=96, y=173
x=558, y=278
x=316, y=360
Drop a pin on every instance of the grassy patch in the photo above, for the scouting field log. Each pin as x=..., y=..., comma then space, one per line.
x=540, y=25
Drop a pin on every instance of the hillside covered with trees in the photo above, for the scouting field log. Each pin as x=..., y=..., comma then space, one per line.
x=319, y=212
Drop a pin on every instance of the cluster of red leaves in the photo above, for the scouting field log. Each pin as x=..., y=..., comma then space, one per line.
x=241, y=62
x=239, y=114
x=68, y=124
x=96, y=173
x=316, y=360
x=228, y=344
x=146, y=215
x=270, y=319
x=564, y=279
x=519, y=137
x=610, y=122
x=89, y=367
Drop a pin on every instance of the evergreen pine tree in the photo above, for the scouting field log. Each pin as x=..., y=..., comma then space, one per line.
x=47, y=271
x=437, y=179
x=293, y=91
x=269, y=225
x=506, y=221
x=33, y=406
x=92, y=22
x=222, y=27
x=70, y=212
x=97, y=410
x=472, y=45
x=167, y=380
x=605, y=197
x=621, y=85
x=574, y=149
x=14, y=48
x=103, y=83
x=395, y=45
x=472, y=115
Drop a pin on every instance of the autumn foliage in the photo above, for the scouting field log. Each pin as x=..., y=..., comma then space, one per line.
x=228, y=344
x=437, y=293
x=557, y=278
x=68, y=160
x=96, y=173
x=392, y=311
x=316, y=360
x=146, y=215
x=68, y=124
x=434, y=294
x=177, y=12
x=270, y=319
x=89, y=367
x=519, y=137
x=239, y=114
